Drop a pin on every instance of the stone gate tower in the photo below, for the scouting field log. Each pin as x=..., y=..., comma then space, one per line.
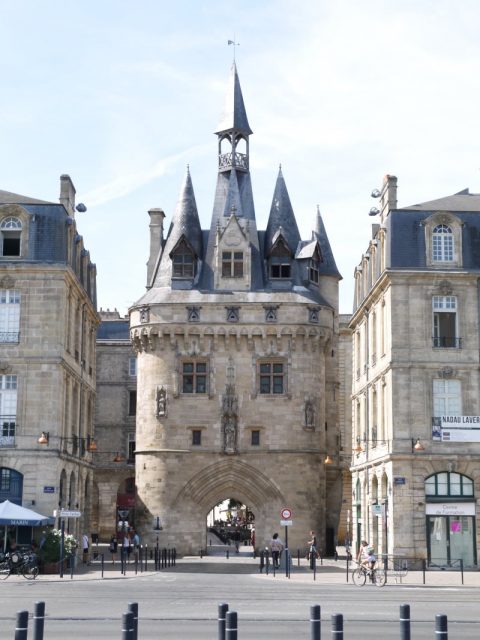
x=237, y=362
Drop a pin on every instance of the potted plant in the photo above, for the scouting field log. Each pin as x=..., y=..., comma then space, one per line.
x=50, y=549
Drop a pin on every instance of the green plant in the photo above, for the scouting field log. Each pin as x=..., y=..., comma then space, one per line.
x=50, y=549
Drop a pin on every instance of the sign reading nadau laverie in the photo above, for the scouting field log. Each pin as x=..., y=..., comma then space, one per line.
x=456, y=429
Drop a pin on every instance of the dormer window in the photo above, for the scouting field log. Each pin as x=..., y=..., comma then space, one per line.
x=183, y=261
x=442, y=243
x=232, y=264
x=313, y=267
x=280, y=261
x=11, y=230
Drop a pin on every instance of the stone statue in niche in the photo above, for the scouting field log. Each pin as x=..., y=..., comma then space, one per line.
x=309, y=410
x=229, y=419
x=161, y=402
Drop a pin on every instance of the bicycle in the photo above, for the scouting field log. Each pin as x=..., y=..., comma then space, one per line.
x=18, y=563
x=378, y=577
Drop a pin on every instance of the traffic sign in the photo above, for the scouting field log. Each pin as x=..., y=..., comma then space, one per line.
x=286, y=513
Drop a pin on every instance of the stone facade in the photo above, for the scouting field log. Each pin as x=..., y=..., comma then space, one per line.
x=47, y=357
x=416, y=358
x=237, y=363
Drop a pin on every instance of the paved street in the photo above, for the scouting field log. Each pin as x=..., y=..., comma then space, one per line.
x=182, y=602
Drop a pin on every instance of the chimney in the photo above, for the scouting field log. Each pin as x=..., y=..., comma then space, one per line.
x=67, y=194
x=157, y=217
x=388, y=199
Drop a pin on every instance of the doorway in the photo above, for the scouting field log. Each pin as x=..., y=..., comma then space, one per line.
x=230, y=527
x=450, y=539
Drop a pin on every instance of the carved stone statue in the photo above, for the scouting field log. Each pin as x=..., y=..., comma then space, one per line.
x=229, y=419
x=309, y=413
x=161, y=401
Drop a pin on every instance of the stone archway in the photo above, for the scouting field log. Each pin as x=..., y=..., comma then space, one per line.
x=220, y=479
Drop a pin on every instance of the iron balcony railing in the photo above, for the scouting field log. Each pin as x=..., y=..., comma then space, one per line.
x=8, y=426
x=228, y=160
x=447, y=342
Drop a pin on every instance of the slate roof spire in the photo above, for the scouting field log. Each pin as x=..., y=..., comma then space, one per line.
x=234, y=114
x=328, y=265
x=281, y=215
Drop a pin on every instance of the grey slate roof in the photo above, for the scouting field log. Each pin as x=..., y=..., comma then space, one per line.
x=7, y=197
x=281, y=215
x=234, y=115
x=328, y=266
x=461, y=201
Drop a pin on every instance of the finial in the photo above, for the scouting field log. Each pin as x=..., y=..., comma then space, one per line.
x=235, y=44
x=280, y=166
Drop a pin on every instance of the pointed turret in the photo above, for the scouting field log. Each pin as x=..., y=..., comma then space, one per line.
x=234, y=115
x=185, y=230
x=281, y=216
x=328, y=265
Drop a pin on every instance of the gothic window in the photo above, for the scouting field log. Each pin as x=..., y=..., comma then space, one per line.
x=9, y=315
x=194, y=376
x=445, y=322
x=8, y=409
x=232, y=264
x=11, y=231
x=280, y=261
x=272, y=377
x=442, y=243
x=183, y=261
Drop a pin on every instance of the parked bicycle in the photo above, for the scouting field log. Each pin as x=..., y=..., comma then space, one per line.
x=24, y=564
x=376, y=576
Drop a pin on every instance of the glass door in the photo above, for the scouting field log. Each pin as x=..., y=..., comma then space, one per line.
x=462, y=536
x=438, y=540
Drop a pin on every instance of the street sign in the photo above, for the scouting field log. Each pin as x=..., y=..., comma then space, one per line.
x=48, y=489
x=286, y=513
x=66, y=513
x=286, y=523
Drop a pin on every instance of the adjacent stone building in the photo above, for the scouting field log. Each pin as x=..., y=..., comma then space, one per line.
x=416, y=442
x=237, y=340
x=48, y=325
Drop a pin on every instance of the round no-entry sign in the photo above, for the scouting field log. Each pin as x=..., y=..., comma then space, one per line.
x=286, y=513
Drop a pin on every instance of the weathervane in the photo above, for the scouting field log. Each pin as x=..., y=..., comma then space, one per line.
x=235, y=44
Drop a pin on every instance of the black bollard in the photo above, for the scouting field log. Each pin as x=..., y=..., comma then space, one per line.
x=231, y=626
x=103, y=562
x=404, y=622
x=315, y=622
x=38, y=620
x=227, y=553
x=441, y=630
x=133, y=609
x=222, y=619
x=262, y=561
x=21, y=629
x=337, y=626
x=298, y=557
x=127, y=626
x=201, y=554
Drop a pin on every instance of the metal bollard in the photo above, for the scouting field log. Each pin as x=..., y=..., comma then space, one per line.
x=231, y=627
x=133, y=609
x=441, y=630
x=38, y=620
x=461, y=567
x=103, y=562
x=21, y=630
x=315, y=622
x=424, y=568
x=222, y=619
x=127, y=626
x=337, y=626
x=404, y=622
x=298, y=557
x=227, y=554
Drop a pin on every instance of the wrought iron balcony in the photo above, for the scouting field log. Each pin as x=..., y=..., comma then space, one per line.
x=9, y=336
x=447, y=342
x=228, y=160
x=7, y=431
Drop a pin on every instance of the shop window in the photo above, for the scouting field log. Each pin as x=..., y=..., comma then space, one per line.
x=448, y=484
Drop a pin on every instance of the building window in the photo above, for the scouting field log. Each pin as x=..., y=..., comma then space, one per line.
x=442, y=243
x=8, y=409
x=445, y=322
x=5, y=479
x=11, y=230
x=196, y=437
x=272, y=378
x=194, y=377
x=449, y=485
x=255, y=442
x=132, y=403
x=132, y=367
x=131, y=449
x=447, y=397
x=313, y=270
x=232, y=264
x=9, y=315
x=183, y=261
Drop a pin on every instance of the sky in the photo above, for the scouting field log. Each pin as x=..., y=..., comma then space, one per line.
x=122, y=96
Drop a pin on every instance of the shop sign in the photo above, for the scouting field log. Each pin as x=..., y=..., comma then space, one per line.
x=450, y=509
x=456, y=428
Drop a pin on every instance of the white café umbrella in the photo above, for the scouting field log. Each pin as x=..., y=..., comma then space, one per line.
x=13, y=515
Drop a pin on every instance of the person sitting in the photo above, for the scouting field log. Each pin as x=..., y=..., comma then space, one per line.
x=366, y=555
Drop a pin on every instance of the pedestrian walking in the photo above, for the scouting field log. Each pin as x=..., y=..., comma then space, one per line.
x=276, y=547
x=113, y=547
x=85, y=547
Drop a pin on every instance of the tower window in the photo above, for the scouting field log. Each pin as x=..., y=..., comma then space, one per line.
x=196, y=437
x=183, y=262
x=194, y=377
x=10, y=229
x=313, y=270
x=255, y=438
x=280, y=261
x=232, y=264
x=272, y=377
